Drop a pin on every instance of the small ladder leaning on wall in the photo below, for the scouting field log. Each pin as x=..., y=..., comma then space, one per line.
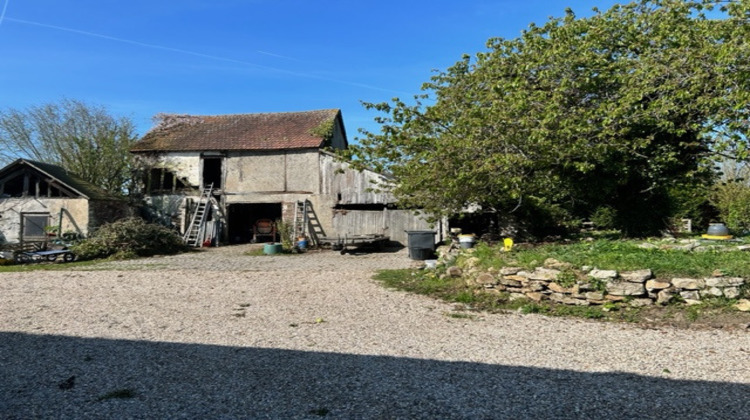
x=197, y=229
x=300, y=219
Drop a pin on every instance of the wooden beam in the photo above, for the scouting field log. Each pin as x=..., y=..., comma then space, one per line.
x=26, y=181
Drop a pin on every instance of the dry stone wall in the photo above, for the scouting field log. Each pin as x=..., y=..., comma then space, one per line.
x=559, y=282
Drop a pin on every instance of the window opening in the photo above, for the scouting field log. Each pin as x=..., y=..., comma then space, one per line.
x=212, y=171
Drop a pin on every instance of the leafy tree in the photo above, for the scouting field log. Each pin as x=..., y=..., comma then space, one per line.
x=84, y=139
x=613, y=110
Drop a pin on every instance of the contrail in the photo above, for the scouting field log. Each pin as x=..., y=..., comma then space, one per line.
x=2, y=14
x=198, y=54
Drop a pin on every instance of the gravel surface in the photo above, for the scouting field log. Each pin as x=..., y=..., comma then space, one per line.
x=217, y=334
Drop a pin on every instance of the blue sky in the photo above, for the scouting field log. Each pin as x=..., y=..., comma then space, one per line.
x=143, y=57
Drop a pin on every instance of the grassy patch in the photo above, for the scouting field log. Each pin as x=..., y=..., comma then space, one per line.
x=258, y=252
x=624, y=256
x=46, y=266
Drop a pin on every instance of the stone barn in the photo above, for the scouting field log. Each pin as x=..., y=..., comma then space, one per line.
x=240, y=171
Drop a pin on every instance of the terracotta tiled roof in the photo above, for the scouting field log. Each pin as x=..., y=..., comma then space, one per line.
x=273, y=131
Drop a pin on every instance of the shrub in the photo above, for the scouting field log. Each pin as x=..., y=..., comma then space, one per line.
x=604, y=217
x=285, y=230
x=129, y=238
x=732, y=199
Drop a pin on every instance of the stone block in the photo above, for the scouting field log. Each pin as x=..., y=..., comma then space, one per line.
x=603, y=274
x=688, y=284
x=637, y=276
x=638, y=303
x=454, y=271
x=731, y=292
x=512, y=281
x=547, y=274
x=535, y=296
x=625, y=288
x=664, y=297
x=557, y=288
x=652, y=285
x=486, y=279
x=510, y=271
x=690, y=295
x=743, y=305
x=724, y=281
x=556, y=297
x=535, y=286
x=712, y=292
x=595, y=296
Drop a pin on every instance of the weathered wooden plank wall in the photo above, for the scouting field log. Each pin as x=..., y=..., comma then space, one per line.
x=392, y=223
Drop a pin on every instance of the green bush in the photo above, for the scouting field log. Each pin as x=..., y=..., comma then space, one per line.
x=732, y=199
x=604, y=217
x=129, y=238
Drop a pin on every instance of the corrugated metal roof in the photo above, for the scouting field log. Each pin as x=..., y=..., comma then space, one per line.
x=270, y=131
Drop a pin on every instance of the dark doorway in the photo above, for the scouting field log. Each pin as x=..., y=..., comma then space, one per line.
x=242, y=219
x=212, y=172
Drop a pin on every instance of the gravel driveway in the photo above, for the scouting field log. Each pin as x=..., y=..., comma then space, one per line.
x=217, y=334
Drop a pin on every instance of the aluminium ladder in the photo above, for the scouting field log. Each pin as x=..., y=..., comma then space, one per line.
x=300, y=219
x=196, y=231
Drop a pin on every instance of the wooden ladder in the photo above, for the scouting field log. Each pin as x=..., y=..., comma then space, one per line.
x=196, y=231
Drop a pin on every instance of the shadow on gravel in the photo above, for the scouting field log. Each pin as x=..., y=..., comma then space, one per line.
x=137, y=379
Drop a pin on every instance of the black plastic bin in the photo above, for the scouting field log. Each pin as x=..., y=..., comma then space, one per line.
x=421, y=244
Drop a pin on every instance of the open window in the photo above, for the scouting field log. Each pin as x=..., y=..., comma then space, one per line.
x=163, y=180
x=212, y=171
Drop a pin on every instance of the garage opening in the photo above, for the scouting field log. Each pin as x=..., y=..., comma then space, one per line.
x=243, y=218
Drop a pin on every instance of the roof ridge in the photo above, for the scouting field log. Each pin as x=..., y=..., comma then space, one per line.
x=249, y=113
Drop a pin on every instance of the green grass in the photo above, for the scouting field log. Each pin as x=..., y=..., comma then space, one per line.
x=46, y=266
x=258, y=252
x=622, y=256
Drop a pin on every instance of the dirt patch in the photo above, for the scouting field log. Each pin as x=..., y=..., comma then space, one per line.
x=696, y=318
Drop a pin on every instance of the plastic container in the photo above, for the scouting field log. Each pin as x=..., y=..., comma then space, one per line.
x=717, y=229
x=270, y=249
x=466, y=241
x=302, y=243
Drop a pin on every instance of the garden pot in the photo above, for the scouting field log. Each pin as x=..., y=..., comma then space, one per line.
x=466, y=241
x=270, y=249
x=717, y=229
